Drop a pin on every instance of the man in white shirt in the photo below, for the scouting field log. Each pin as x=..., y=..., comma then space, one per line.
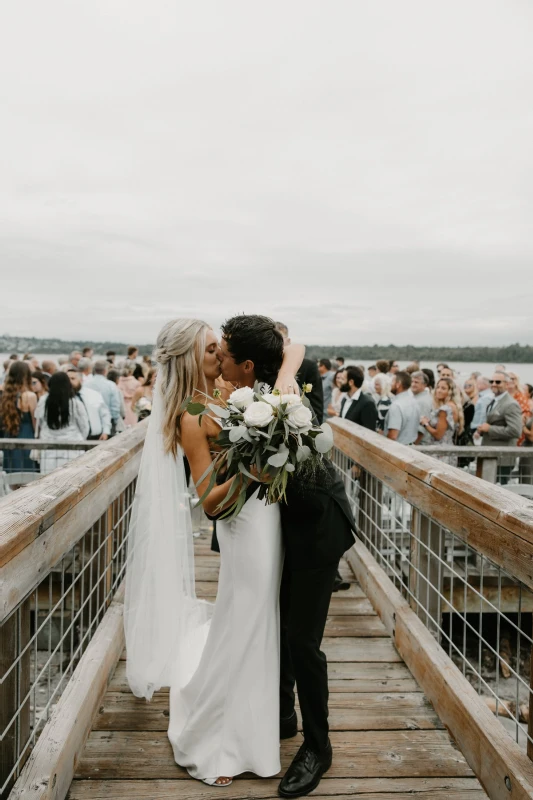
x=109, y=390
x=424, y=401
x=403, y=418
x=97, y=410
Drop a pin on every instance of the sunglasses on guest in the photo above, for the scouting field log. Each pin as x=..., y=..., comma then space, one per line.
x=496, y=382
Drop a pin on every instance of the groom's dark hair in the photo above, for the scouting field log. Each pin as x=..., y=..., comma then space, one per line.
x=251, y=337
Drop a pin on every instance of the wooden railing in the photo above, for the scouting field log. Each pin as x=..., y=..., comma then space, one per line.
x=62, y=555
x=447, y=561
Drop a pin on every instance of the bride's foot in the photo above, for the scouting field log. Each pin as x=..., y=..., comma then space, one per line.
x=222, y=781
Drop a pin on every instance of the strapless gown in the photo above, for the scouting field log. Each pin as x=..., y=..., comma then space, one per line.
x=225, y=721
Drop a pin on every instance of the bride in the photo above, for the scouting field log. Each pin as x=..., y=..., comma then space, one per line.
x=221, y=663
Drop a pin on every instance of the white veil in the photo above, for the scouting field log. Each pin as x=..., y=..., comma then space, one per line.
x=164, y=622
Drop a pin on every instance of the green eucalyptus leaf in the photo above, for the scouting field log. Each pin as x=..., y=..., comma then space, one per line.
x=195, y=408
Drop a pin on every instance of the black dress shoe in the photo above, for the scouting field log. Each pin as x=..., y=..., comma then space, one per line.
x=288, y=726
x=305, y=772
x=340, y=584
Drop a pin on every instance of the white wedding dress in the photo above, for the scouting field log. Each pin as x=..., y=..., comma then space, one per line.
x=226, y=719
x=223, y=674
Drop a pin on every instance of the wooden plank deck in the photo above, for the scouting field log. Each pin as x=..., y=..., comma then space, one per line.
x=387, y=740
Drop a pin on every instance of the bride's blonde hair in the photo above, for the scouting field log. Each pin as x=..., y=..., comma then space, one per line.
x=180, y=352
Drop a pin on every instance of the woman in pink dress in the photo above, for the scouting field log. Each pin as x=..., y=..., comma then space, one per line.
x=128, y=385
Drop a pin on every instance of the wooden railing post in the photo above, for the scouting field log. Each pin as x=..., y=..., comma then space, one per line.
x=487, y=469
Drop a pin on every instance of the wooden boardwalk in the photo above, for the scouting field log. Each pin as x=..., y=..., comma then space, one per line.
x=387, y=740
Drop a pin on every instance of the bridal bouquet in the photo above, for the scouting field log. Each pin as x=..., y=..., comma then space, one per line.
x=266, y=437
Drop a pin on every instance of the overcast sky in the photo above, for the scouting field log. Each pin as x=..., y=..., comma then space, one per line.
x=360, y=169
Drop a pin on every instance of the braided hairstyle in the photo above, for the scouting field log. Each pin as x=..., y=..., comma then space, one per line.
x=179, y=351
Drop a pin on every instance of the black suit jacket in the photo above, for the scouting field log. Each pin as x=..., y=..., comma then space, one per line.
x=363, y=411
x=317, y=521
x=308, y=373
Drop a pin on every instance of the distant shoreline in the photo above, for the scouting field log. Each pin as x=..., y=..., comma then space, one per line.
x=514, y=353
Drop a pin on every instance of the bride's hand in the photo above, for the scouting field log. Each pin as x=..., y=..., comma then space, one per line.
x=286, y=382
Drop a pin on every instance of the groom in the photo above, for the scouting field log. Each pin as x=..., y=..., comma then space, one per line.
x=318, y=528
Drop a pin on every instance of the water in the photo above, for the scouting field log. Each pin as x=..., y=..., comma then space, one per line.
x=463, y=369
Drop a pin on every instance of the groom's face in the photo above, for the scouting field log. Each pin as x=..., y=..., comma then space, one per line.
x=238, y=374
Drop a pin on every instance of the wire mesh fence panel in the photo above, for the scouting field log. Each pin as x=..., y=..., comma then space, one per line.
x=45, y=636
x=479, y=613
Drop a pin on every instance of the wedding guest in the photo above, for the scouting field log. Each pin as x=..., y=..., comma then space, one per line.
x=446, y=417
x=517, y=393
x=128, y=385
x=107, y=388
x=504, y=423
x=526, y=464
x=39, y=384
x=441, y=366
x=337, y=393
x=372, y=371
x=63, y=361
x=61, y=417
x=327, y=375
x=141, y=402
x=529, y=389
x=430, y=376
x=394, y=367
x=424, y=400
x=74, y=358
x=17, y=415
x=32, y=361
x=85, y=367
x=466, y=438
x=97, y=410
x=403, y=418
x=13, y=357
x=110, y=356
x=133, y=354
x=48, y=367
x=447, y=372
x=383, y=366
x=119, y=426
x=382, y=397
x=484, y=397
x=412, y=368
x=469, y=407
x=88, y=353
x=340, y=362
x=357, y=406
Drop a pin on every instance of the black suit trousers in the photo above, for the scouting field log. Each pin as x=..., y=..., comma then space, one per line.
x=305, y=598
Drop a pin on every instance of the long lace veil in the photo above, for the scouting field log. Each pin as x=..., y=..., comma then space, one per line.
x=164, y=622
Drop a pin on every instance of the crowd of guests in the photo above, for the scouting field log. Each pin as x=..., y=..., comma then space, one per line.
x=71, y=399
x=415, y=406
x=78, y=397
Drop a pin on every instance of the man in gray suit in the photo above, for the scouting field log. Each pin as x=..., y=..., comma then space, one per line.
x=504, y=423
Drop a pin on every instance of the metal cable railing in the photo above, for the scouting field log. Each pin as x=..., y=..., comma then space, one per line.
x=478, y=611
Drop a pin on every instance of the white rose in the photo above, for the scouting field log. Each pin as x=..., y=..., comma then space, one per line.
x=291, y=400
x=300, y=416
x=273, y=399
x=258, y=415
x=242, y=398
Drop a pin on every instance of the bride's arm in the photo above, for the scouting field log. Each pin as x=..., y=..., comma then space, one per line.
x=293, y=355
x=196, y=447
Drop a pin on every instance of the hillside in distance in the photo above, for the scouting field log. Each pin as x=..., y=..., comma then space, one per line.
x=513, y=353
